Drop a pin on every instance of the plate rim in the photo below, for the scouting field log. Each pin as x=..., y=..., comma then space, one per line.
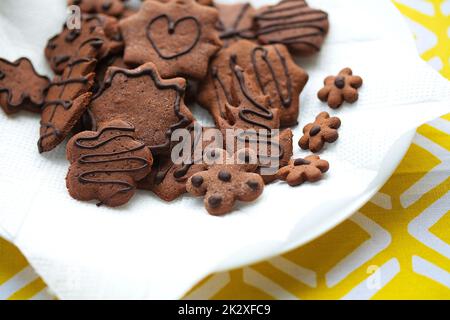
x=403, y=144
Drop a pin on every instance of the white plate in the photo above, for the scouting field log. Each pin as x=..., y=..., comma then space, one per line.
x=151, y=249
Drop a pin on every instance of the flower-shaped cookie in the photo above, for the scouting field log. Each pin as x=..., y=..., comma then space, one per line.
x=227, y=179
x=323, y=129
x=106, y=165
x=340, y=88
x=300, y=170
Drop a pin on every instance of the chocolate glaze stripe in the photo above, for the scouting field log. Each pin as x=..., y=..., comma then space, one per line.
x=285, y=102
x=296, y=40
x=153, y=75
x=82, y=80
x=8, y=91
x=171, y=28
x=86, y=177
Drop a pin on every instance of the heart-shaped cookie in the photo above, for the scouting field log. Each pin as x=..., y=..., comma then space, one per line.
x=181, y=43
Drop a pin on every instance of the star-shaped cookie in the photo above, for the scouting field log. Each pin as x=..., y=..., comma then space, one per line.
x=179, y=37
x=154, y=106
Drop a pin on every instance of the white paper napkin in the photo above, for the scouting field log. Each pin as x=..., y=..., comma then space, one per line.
x=151, y=249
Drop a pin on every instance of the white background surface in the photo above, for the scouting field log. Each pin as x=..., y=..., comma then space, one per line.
x=150, y=249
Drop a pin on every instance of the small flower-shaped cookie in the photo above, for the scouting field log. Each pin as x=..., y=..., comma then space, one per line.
x=300, y=170
x=226, y=181
x=340, y=88
x=322, y=130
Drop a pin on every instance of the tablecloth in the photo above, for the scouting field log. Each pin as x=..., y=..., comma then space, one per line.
x=396, y=247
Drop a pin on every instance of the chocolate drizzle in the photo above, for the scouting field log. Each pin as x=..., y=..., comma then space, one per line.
x=124, y=156
x=264, y=113
x=155, y=78
x=261, y=112
x=285, y=101
x=172, y=25
x=277, y=18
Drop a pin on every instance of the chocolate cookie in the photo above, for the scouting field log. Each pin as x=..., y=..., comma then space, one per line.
x=97, y=31
x=21, y=87
x=106, y=165
x=324, y=129
x=300, y=170
x=168, y=179
x=293, y=23
x=340, y=88
x=235, y=22
x=226, y=182
x=179, y=37
x=273, y=70
x=67, y=99
x=154, y=106
x=232, y=96
x=277, y=75
x=108, y=7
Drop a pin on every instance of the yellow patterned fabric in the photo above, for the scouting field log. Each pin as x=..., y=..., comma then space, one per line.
x=396, y=247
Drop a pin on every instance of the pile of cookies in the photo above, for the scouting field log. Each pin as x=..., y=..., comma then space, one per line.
x=125, y=79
